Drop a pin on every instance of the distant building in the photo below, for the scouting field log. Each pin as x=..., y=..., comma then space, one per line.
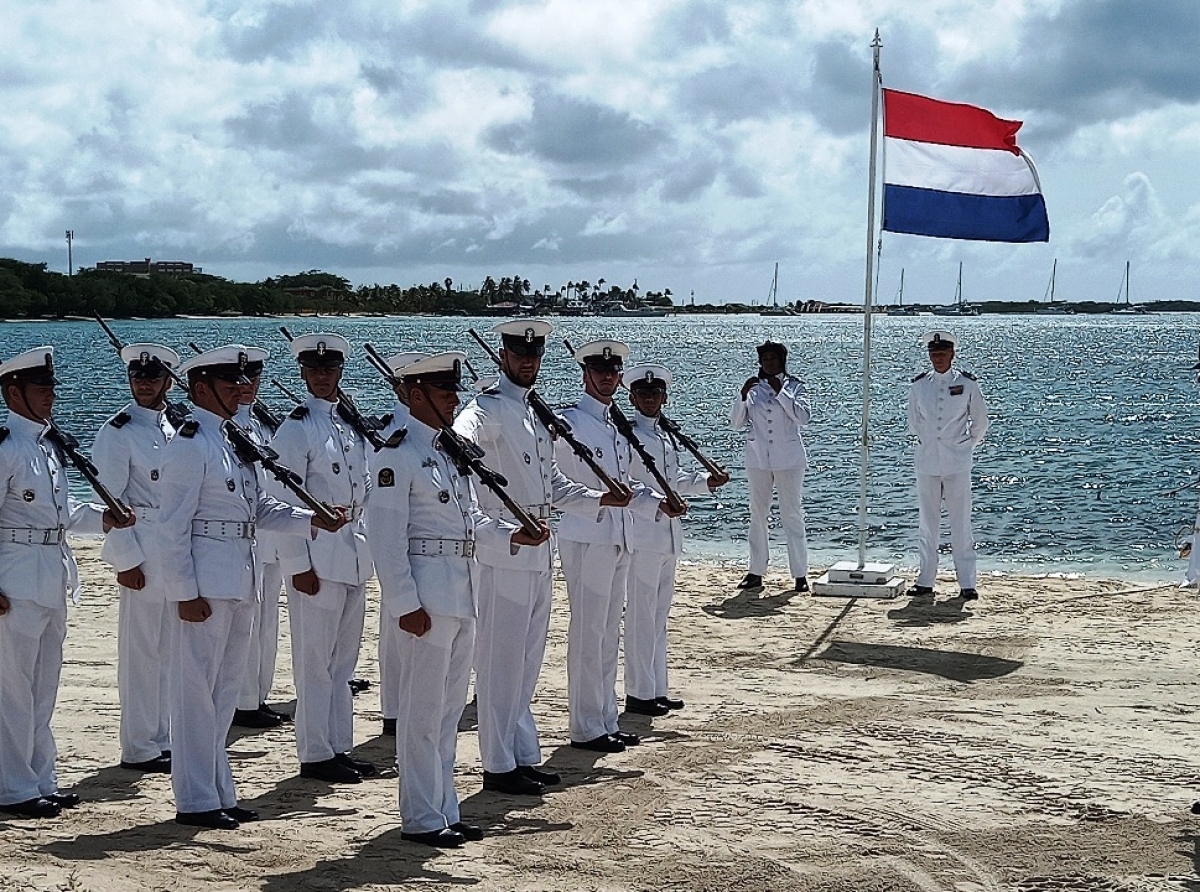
x=147, y=267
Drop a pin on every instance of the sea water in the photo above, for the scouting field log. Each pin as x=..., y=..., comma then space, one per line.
x=1093, y=419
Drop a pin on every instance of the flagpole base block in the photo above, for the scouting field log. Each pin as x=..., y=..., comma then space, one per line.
x=848, y=579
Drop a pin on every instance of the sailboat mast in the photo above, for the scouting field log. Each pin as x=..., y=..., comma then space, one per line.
x=775, y=288
x=1053, y=271
x=958, y=287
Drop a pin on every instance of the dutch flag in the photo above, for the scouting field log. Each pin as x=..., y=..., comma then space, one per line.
x=955, y=171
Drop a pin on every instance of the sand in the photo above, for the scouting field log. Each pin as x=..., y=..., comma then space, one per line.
x=1039, y=739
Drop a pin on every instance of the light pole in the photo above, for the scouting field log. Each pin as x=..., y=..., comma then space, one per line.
x=70, y=262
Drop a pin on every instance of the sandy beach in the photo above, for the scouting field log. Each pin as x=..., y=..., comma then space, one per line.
x=1039, y=739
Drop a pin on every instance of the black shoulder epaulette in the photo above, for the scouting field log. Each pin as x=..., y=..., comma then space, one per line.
x=298, y=412
x=4, y=432
x=189, y=428
x=395, y=438
x=919, y=377
x=967, y=375
x=119, y=421
x=385, y=420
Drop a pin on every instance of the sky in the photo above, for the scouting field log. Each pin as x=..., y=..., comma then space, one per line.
x=687, y=145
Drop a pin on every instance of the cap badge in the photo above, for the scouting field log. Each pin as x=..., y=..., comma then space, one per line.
x=242, y=360
x=607, y=353
x=649, y=377
x=529, y=336
x=458, y=368
x=320, y=348
x=144, y=358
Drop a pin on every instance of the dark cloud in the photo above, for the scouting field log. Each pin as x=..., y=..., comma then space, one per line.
x=606, y=185
x=689, y=179
x=734, y=92
x=281, y=32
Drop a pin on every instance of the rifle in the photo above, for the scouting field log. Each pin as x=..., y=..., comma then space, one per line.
x=69, y=447
x=467, y=456
x=176, y=412
x=558, y=426
x=690, y=445
x=258, y=409
x=350, y=413
x=625, y=428
x=286, y=392
x=250, y=452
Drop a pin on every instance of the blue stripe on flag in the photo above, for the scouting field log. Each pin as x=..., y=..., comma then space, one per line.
x=1006, y=218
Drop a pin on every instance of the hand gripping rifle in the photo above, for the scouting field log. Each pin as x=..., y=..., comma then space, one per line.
x=176, y=413
x=349, y=412
x=69, y=447
x=258, y=409
x=467, y=456
x=625, y=428
x=690, y=445
x=558, y=426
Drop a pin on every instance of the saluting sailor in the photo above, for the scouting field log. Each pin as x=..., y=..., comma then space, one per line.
x=947, y=414
x=596, y=554
x=326, y=577
x=37, y=575
x=657, y=544
x=424, y=506
x=213, y=502
x=128, y=454
x=515, y=588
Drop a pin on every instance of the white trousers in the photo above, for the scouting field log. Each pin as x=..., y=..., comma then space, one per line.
x=651, y=590
x=434, y=671
x=264, y=640
x=207, y=663
x=955, y=491
x=326, y=636
x=596, y=580
x=389, y=665
x=143, y=673
x=790, y=486
x=510, y=645
x=31, y=649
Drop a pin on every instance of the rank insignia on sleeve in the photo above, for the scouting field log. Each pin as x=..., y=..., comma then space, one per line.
x=28, y=495
x=443, y=497
x=956, y=390
x=387, y=477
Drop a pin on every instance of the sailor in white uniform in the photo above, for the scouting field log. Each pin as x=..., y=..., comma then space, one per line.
x=424, y=507
x=212, y=503
x=596, y=554
x=657, y=544
x=775, y=407
x=947, y=414
x=128, y=454
x=326, y=578
x=515, y=590
x=37, y=575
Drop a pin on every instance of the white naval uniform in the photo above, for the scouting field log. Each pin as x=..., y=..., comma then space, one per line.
x=204, y=480
x=595, y=554
x=128, y=454
x=331, y=459
x=775, y=461
x=388, y=649
x=515, y=590
x=947, y=414
x=657, y=544
x=263, y=651
x=421, y=502
x=36, y=579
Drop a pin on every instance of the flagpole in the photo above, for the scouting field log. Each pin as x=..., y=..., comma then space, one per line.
x=868, y=300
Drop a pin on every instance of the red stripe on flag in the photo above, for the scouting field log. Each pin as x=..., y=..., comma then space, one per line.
x=919, y=118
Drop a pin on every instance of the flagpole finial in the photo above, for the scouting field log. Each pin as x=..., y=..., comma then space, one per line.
x=876, y=42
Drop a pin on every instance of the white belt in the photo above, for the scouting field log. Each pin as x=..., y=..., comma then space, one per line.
x=539, y=512
x=30, y=536
x=464, y=548
x=223, y=529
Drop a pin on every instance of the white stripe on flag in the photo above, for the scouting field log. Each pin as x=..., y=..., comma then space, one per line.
x=956, y=169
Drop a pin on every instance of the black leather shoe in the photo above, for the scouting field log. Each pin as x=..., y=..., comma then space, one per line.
x=801, y=583
x=330, y=770
x=366, y=769
x=969, y=594
x=605, y=743
x=64, y=800
x=389, y=728
x=358, y=685
x=752, y=580
x=442, y=839
x=37, y=807
x=469, y=832
x=157, y=765
x=625, y=738
x=1196, y=807
x=670, y=702
x=212, y=820
x=253, y=718
x=645, y=707
x=919, y=591
x=513, y=782
x=283, y=717
x=242, y=815
x=545, y=778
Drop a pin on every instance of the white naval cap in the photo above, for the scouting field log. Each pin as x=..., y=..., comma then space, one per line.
x=602, y=353
x=322, y=350
x=525, y=337
x=939, y=339
x=443, y=370
x=647, y=374
x=35, y=366
x=400, y=360
x=148, y=360
x=233, y=362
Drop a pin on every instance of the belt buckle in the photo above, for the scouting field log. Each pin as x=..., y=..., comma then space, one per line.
x=50, y=537
x=469, y=548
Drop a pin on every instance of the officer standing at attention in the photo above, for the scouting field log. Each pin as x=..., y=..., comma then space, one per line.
x=37, y=575
x=213, y=501
x=128, y=453
x=657, y=544
x=947, y=414
x=515, y=587
x=596, y=555
x=776, y=408
x=326, y=578
x=424, y=507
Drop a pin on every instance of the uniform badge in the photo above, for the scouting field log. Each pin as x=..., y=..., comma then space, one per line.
x=443, y=497
x=528, y=460
x=154, y=474
x=337, y=469
x=956, y=390
x=429, y=462
x=387, y=477
x=28, y=495
x=230, y=485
